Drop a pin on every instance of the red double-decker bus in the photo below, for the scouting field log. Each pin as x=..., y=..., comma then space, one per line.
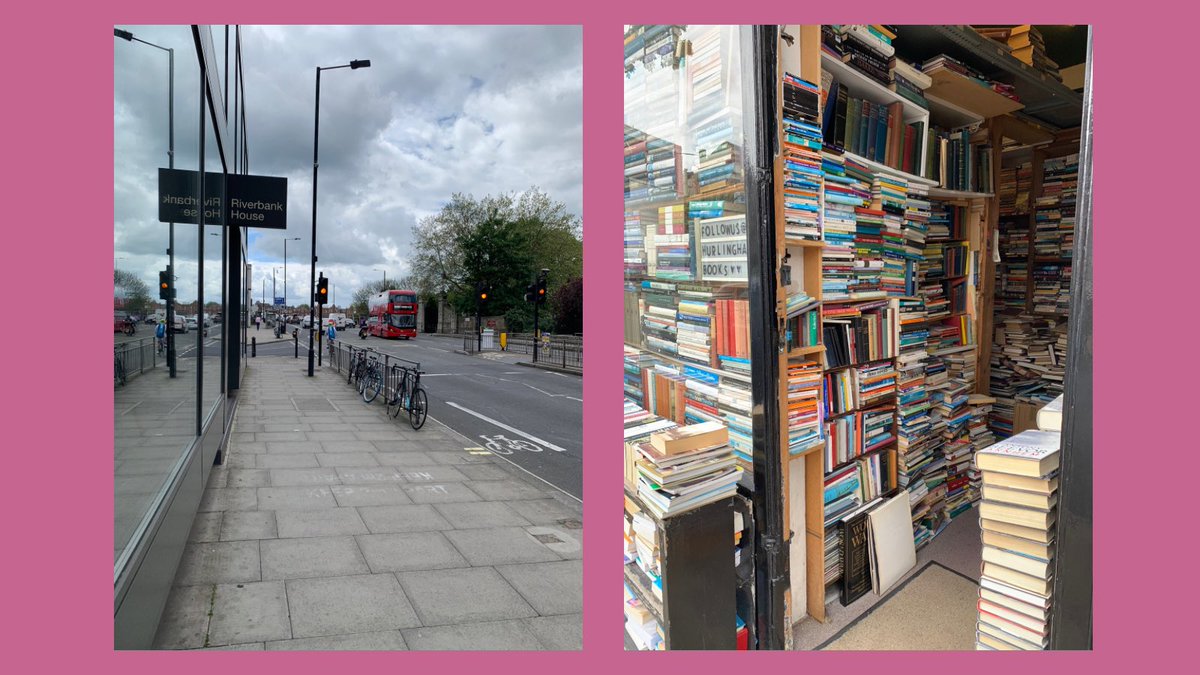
x=394, y=313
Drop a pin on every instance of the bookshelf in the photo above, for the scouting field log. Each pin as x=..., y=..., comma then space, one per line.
x=695, y=581
x=893, y=247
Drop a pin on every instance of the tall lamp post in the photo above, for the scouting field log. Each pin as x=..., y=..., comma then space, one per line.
x=128, y=36
x=312, y=284
x=384, y=277
x=285, y=241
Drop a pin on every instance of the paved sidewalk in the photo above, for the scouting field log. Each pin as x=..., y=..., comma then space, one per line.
x=333, y=526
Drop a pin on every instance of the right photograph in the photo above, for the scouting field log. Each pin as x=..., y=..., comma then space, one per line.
x=858, y=337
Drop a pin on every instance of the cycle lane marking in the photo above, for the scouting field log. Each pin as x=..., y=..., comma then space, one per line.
x=504, y=426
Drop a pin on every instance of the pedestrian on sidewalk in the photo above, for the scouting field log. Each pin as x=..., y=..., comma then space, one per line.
x=331, y=334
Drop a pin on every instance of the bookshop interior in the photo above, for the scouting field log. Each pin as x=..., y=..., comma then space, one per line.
x=858, y=350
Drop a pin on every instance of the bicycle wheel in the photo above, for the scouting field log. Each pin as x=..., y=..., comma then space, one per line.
x=360, y=380
x=396, y=402
x=119, y=371
x=417, y=409
x=372, y=384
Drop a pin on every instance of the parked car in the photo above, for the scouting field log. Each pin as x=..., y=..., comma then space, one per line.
x=191, y=323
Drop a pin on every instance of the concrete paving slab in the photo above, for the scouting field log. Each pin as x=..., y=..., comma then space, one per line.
x=224, y=562
x=184, y=621
x=371, y=494
x=403, y=518
x=490, y=636
x=323, y=523
x=474, y=515
x=551, y=588
x=348, y=605
x=228, y=499
x=558, y=633
x=288, y=461
x=311, y=557
x=406, y=551
x=304, y=477
x=275, y=498
x=249, y=613
x=246, y=525
x=506, y=490
x=206, y=527
x=499, y=546
x=336, y=459
x=439, y=493
x=382, y=641
x=464, y=595
x=248, y=478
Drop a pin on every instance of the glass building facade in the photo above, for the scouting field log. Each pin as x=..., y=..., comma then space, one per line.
x=175, y=100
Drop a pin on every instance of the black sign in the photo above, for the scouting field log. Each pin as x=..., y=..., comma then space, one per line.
x=254, y=201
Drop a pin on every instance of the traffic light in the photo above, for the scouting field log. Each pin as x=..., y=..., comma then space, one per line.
x=540, y=294
x=530, y=292
x=481, y=291
x=166, y=290
x=322, y=290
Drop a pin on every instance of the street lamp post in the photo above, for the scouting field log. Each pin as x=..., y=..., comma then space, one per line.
x=285, y=241
x=128, y=36
x=312, y=284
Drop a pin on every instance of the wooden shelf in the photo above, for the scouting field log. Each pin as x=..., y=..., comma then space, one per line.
x=805, y=351
x=839, y=467
x=969, y=95
x=949, y=115
x=641, y=585
x=804, y=243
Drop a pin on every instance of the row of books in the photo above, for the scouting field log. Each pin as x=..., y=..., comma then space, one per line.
x=1017, y=526
x=1025, y=43
x=802, y=142
x=1028, y=365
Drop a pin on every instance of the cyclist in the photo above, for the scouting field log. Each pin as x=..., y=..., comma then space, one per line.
x=160, y=335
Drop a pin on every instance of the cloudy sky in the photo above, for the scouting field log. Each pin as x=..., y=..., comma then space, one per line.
x=443, y=109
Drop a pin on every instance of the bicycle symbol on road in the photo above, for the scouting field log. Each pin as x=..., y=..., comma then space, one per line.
x=505, y=446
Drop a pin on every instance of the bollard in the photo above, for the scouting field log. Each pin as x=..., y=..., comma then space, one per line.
x=296, y=344
x=253, y=347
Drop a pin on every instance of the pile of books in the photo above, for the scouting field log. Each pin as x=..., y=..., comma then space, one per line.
x=1029, y=355
x=943, y=62
x=801, y=159
x=908, y=81
x=843, y=192
x=686, y=467
x=1026, y=45
x=805, y=416
x=1017, y=522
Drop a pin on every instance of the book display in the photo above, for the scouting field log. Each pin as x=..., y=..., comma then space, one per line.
x=906, y=285
x=1017, y=525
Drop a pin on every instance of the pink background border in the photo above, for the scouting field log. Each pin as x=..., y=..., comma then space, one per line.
x=58, y=127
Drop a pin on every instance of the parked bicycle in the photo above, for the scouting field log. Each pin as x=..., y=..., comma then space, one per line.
x=118, y=369
x=409, y=395
x=371, y=382
x=358, y=365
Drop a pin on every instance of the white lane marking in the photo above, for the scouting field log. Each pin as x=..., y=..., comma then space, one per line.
x=504, y=426
x=514, y=464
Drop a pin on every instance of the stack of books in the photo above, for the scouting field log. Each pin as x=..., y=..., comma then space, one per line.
x=843, y=193
x=805, y=418
x=1026, y=45
x=686, y=467
x=641, y=625
x=801, y=159
x=1017, y=521
x=908, y=82
x=1029, y=355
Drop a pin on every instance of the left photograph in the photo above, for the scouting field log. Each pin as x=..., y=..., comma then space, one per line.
x=348, y=347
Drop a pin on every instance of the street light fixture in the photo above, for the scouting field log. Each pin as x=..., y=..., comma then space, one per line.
x=129, y=37
x=285, y=241
x=312, y=284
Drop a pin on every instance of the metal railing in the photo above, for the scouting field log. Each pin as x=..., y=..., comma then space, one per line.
x=137, y=356
x=340, y=356
x=564, y=351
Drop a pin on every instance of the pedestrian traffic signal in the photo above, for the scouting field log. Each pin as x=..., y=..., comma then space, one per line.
x=322, y=291
x=165, y=289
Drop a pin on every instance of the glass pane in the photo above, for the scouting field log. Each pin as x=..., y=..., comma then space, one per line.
x=154, y=413
x=687, y=332
x=208, y=320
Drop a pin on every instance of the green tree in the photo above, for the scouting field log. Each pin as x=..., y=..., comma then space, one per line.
x=495, y=254
x=550, y=235
x=359, y=305
x=137, y=294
